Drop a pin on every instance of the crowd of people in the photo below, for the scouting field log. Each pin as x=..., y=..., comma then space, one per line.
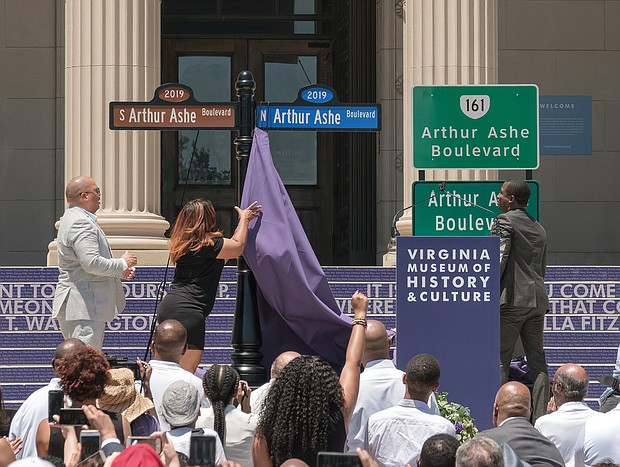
x=376, y=414
x=382, y=416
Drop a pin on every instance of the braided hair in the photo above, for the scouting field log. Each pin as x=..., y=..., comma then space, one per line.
x=220, y=383
x=294, y=420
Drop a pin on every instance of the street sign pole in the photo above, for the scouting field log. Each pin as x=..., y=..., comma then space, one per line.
x=246, y=335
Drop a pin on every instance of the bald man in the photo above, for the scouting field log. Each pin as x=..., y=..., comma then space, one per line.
x=257, y=397
x=511, y=414
x=89, y=292
x=568, y=411
x=381, y=384
x=169, y=344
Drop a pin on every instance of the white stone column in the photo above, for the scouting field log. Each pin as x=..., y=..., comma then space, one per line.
x=444, y=42
x=112, y=53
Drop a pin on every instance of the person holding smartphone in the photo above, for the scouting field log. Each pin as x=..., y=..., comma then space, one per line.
x=83, y=377
x=309, y=407
x=235, y=428
x=180, y=408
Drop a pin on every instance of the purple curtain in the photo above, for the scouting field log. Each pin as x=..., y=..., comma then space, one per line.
x=296, y=305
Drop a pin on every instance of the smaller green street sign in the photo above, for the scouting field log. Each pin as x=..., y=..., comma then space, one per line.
x=475, y=127
x=461, y=208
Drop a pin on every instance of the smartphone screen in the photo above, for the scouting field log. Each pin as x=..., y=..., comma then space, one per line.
x=96, y=460
x=55, y=402
x=202, y=450
x=73, y=416
x=337, y=459
x=154, y=442
x=90, y=442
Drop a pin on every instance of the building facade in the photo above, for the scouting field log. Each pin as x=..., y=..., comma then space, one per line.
x=66, y=59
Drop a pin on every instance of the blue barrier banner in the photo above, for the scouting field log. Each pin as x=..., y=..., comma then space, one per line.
x=448, y=306
x=582, y=325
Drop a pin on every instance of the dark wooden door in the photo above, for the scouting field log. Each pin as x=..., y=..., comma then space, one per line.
x=202, y=164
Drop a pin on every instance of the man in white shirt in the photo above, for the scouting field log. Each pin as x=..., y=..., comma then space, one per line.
x=169, y=344
x=562, y=427
x=396, y=435
x=381, y=384
x=258, y=395
x=35, y=407
x=598, y=441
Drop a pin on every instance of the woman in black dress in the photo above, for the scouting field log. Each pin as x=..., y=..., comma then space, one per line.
x=199, y=252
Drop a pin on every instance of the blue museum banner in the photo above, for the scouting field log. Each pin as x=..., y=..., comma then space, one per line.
x=448, y=306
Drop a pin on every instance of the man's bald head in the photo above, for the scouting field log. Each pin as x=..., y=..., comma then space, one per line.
x=570, y=384
x=294, y=463
x=512, y=400
x=281, y=361
x=83, y=192
x=66, y=349
x=75, y=186
x=377, y=343
x=169, y=341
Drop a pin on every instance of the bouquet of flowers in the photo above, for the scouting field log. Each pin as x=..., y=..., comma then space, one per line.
x=457, y=415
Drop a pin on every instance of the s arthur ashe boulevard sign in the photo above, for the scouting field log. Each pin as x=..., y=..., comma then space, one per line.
x=317, y=108
x=475, y=127
x=173, y=107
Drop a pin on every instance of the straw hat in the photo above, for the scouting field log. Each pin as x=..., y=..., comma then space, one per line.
x=122, y=396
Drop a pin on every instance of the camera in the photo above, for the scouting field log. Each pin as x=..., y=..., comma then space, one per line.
x=73, y=416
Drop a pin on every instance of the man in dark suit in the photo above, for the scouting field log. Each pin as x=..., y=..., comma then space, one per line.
x=523, y=298
x=511, y=412
x=89, y=291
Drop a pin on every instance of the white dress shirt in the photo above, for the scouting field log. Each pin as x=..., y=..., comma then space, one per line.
x=598, y=441
x=381, y=387
x=563, y=426
x=396, y=435
x=257, y=397
x=240, y=427
x=163, y=375
x=26, y=420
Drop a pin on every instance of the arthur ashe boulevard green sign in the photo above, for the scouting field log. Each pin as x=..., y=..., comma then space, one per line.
x=475, y=127
x=451, y=211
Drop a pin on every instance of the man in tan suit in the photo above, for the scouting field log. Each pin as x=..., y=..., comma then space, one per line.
x=89, y=291
x=523, y=298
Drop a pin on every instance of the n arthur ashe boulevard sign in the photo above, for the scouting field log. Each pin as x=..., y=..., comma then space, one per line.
x=461, y=208
x=317, y=108
x=475, y=127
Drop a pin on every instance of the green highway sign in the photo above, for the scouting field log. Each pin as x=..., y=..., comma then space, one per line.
x=475, y=127
x=460, y=209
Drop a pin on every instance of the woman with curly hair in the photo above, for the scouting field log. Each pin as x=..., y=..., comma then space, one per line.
x=83, y=376
x=308, y=408
x=199, y=252
x=235, y=428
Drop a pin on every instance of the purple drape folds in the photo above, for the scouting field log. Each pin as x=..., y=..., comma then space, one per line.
x=296, y=305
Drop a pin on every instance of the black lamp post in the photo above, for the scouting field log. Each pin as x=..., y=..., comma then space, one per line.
x=246, y=334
